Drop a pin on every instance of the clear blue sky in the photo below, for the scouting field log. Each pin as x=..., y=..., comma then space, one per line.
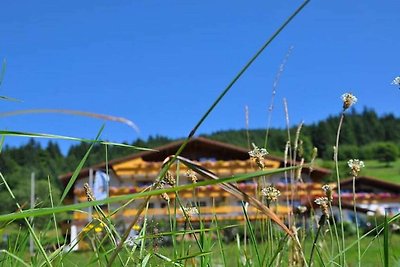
x=162, y=63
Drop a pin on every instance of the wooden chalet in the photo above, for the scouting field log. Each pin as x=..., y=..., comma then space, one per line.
x=376, y=195
x=133, y=173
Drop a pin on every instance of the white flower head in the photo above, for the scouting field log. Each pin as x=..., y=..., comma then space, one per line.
x=258, y=152
x=258, y=155
x=130, y=241
x=190, y=211
x=326, y=187
x=355, y=166
x=348, y=100
x=192, y=175
x=301, y=209
x=321, y=201
x=271, y=193
x=169, y=178
x=396, y=81
x=328, y=191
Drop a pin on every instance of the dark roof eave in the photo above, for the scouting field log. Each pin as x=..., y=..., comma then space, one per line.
x=371, y=180
x=176, y=144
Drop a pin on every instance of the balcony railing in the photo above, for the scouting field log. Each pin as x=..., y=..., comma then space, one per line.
x=206, y=213
x=300, y=190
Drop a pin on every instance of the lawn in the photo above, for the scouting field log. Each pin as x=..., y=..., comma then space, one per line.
x=373, y=168
x=371, y=248
x=380, y=170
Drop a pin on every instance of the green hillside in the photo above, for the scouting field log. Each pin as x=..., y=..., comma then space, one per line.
x=373, y=168
x=377, y=169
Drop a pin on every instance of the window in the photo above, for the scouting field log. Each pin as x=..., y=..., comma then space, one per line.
x=144, y=183
x=204, y=159
x=198, y=204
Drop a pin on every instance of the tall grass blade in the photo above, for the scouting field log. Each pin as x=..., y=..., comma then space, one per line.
x=379, y=229
x=246, y=66
x=78, y=169
x=168, y=260
x=336, y=160
x=52, y=205
x=146, y=260
x=73, y=112
x=386, y=242
x=2, y=138
x=9, y=99
x=314, y=244
x=219, y=237
x=274, y=87
x=15, y=257
x=199, y=254
x=63, y=137
x=234, y=80
x=30, y=228
x=252, y=236
x=277, y=251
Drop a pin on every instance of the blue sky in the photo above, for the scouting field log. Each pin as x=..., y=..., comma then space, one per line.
x=162, y=63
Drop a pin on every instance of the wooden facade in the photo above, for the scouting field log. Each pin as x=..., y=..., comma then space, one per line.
x=134, y=173
x=375, y=195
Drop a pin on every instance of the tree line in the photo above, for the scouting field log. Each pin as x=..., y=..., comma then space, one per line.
x=364, y=135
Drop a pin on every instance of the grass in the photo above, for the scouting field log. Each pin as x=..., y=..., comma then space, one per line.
x=373, y=168
x=380, y=170
x=371, y=257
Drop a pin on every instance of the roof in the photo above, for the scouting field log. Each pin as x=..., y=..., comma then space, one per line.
x=198, y=148
x=371, y=182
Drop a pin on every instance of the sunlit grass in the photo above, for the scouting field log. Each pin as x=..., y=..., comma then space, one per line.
x=380, y=170
x=371, y=258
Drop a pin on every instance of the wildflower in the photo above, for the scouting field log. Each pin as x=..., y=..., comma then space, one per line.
x=155, y=240
x=87, y=228
x=163, y=195
x=190, y=174
x=323, y=203
x=169, y=179
x=355, y=166
x=348, y=100
x=271, y=193
x=301, y=209
x=189, y=211
x=258, y=154
x=396, y=81
x=299, y=170
x=130, y=241
x=300, y=149
x=313, y=157
x=88, y=192
x=328, y=191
